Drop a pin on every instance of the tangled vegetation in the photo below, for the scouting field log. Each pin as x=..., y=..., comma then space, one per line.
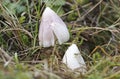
x=94, y=26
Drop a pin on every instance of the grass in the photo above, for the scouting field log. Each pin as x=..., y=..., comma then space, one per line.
x=93, y=26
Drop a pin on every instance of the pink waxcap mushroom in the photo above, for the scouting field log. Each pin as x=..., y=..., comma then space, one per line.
x=52, y=27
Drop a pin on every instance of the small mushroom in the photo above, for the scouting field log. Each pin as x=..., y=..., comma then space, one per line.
x=73, y=59
x=52, y=27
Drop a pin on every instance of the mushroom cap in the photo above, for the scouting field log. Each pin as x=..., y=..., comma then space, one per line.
x=52, y=26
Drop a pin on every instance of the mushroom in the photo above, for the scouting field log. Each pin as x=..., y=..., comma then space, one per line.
x=51, y=28
x=73, y=59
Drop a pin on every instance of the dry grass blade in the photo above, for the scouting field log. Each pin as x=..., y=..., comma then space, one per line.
x=99, y=47
x=91, y=9
x=7, y=57
x=18, y=29
x=97, y=28
x=112, y=76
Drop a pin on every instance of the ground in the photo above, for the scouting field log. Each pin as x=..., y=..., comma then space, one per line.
x=94, y=26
